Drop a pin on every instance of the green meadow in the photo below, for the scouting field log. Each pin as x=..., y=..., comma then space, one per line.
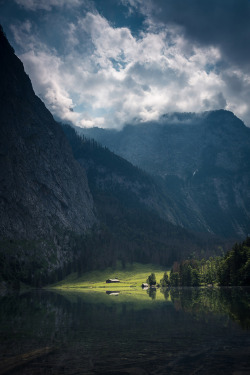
x=132, y=276
x=92, y=286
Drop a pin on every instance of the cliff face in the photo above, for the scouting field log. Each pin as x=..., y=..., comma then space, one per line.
x=43, y=191
x=203, y=161
x=42, y=186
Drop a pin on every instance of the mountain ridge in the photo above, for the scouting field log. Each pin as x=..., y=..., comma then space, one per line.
x=203, y=160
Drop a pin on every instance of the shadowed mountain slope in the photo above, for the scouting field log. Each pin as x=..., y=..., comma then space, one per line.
x=203, y=161
x=136, y=215
x=44, y=193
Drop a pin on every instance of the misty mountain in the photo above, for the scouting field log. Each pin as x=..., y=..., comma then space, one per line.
x=202, y=160
x=44, y=193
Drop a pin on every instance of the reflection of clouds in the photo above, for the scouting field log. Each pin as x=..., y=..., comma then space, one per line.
x=126, y=78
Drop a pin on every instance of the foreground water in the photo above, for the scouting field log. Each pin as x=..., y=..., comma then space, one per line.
x=182, y=331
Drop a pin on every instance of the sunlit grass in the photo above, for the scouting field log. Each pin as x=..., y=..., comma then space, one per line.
x=92, y=286
x=132, y=276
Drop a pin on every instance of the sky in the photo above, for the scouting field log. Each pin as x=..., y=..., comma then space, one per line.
x=107, y=63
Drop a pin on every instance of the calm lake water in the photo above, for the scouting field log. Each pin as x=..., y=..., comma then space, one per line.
x=182, y=331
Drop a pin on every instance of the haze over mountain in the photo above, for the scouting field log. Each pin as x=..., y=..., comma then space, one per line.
x=203, y=161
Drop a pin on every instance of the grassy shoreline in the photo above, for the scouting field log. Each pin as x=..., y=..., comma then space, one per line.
x=132, y=276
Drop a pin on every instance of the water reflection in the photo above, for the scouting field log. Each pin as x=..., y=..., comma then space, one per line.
x=235, y=302
x=152, y=293
x=200, y=331
x=112, y=293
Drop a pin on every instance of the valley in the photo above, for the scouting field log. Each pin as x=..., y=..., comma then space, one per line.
x=124, y=187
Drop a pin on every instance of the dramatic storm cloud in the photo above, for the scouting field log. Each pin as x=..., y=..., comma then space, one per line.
x=106, y=63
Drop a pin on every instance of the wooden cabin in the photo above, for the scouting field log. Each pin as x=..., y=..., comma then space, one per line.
x=113, y=280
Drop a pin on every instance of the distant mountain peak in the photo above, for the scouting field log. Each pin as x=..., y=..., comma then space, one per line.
x=219, y=116
x=224, y=118
x=203, y=159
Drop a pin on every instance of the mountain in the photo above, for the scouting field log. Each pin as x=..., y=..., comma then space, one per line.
x=67, y=203
x=44, y=195
x=135, y=214
x=203, y=162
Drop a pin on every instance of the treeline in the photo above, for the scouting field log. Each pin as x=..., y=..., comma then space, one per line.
x=232, y=269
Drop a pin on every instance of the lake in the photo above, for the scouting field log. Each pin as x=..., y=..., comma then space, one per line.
x=181, y=331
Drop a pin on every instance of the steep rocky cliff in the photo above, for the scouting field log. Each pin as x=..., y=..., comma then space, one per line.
x=203, y=161
x=44, y=193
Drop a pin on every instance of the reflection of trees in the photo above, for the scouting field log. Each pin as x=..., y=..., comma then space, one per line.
x=232, y=301
x=152, y=293
x=165, y=292
x=236, y=302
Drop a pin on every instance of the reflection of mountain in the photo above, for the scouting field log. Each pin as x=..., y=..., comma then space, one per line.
x=110, y=335
x=203, y=162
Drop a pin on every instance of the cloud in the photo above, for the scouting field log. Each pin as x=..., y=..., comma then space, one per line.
x=48, y=5
x=48, y=83
x=221, y=23
x=110, y=77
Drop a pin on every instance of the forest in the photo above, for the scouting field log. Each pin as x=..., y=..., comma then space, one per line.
x=230, y=269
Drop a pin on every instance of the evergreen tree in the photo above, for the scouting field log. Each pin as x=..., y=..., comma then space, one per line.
x=151, y=280
x=195, y=277
x=165, y=282
x=174, y=278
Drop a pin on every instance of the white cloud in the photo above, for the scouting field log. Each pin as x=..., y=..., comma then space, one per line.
x=48, y=83
x=110, y=77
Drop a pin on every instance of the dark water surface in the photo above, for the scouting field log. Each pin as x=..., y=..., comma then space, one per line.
x=186, y=331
